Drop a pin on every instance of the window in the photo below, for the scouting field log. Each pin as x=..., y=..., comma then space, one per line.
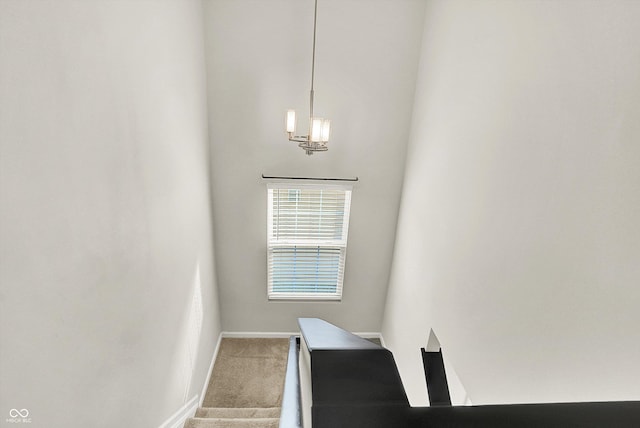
x=307, y=229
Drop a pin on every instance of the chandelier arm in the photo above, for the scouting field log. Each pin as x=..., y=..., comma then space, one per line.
x=311, y=147
x=299, y=138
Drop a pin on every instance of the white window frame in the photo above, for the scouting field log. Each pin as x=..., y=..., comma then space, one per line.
x=308, y=244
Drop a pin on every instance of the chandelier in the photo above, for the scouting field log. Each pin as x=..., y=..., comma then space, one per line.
x=318, y=136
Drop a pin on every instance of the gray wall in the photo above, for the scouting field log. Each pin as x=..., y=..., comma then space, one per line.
x=259, y=65
x=109, y=309
x=519, y=236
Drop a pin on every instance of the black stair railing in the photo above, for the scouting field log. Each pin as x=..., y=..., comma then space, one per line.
x=437, y=385
x=357, y=384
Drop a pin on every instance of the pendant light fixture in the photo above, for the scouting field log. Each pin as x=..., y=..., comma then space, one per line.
x=318, y=136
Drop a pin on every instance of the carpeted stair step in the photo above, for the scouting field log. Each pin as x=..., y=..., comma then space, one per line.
x=232, y=423
x=238, y=412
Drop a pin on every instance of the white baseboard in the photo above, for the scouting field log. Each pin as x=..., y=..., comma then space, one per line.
x=372, y=335
x=280, y=334
x=261, y=334
x=368, y=334
x=208, y=379
x=178, y=419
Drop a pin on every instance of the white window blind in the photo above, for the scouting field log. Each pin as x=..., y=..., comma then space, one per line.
x=307, y=240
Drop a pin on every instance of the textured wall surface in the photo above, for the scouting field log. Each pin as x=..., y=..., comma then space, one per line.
x=518, y=239
x=109, y=312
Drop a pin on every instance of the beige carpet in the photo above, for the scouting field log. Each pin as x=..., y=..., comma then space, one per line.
x=248, y=373
x=232, y=423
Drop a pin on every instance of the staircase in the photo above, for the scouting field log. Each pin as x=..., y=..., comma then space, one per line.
x=223, y=417
x=246, y=385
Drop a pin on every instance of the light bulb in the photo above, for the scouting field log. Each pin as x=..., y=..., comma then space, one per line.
x=326, y=130
x=316, y=129
x=291, y=121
